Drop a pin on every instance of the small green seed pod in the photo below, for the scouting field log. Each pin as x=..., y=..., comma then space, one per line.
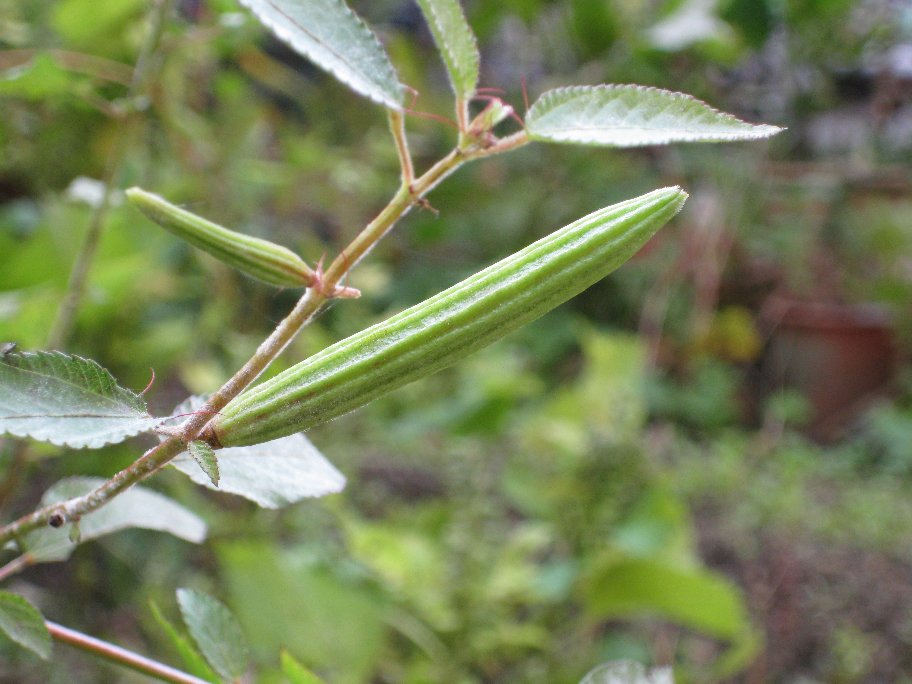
x=446, y=327
x=260, y=259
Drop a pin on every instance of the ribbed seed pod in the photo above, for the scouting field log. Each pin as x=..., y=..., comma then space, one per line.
x=446, y=327
x=260, y=259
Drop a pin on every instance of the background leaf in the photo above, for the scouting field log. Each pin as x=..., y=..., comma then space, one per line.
x=67, y=400
x=193, y=661
x=627, y=672
x=632, y=116
x=297, y=673
x=22, y=623
x=37, y=79
x=215, y=631
x=205, y=458
x=136, y=507
x=273, y=474
x=337, y=40
x=456, y=42
x=690, y=596
x=323, y=613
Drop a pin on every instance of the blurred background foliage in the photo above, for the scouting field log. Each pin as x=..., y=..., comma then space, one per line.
x=702, y=461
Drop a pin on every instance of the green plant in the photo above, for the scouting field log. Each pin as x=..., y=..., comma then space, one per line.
x=74, y=402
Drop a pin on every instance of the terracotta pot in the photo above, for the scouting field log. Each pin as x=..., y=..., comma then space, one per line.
x=838, y=356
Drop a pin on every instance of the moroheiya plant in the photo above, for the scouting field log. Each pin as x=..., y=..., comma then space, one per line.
x=244, y=438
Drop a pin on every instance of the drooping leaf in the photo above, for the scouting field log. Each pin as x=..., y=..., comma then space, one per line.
x=456, y=43
x=627, y=672
x=215, y=631
x=136, y=507
x=632, y=116
x=693, y=597
x=67, y=400
x=272, y=474
x=297, y=673
x=193, y=661
x=21, y=622
x=205, y=458
x=337, y=40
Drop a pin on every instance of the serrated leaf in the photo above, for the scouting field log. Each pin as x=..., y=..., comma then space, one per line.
x=193, y=661
x=22, y=623
x=215, y=631
x=333, y=37
x=456, y=43
x=632, y=116
x=297, y=673
x=627, y=672
x=67, y=400
x=136, y=507
x=205, y=458
x=272, y=474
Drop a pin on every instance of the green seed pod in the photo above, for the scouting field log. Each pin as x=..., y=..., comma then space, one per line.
x=446, y=327
x=260, y=259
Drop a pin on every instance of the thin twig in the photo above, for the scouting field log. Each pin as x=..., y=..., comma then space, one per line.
x=16, y=565
x=63, y=323
x=120, y=656
x=397, y=128
x=462, y=115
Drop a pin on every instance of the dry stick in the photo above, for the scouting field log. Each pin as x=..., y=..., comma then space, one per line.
x=120, y=656
x=314, y=298
x=63, y=323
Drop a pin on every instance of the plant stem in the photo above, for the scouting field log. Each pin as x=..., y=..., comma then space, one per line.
x=306, y=308
x=120, y=656
x=397, y=127
x=66, y=314
x=16, y=565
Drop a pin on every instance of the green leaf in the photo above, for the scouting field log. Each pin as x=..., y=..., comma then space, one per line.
x=22, y=623
x=215, y=631
x=627, y=672
x=632, y=116
x=136, y=507
x=329, y=617
x=67, y=400
x=456, y=42
x=692, y=597
x=297, y=673
x=272, y=474
x=86, y=23
x=332, y=36
x=38, y=79
x=204, y=456
x=193, y=661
